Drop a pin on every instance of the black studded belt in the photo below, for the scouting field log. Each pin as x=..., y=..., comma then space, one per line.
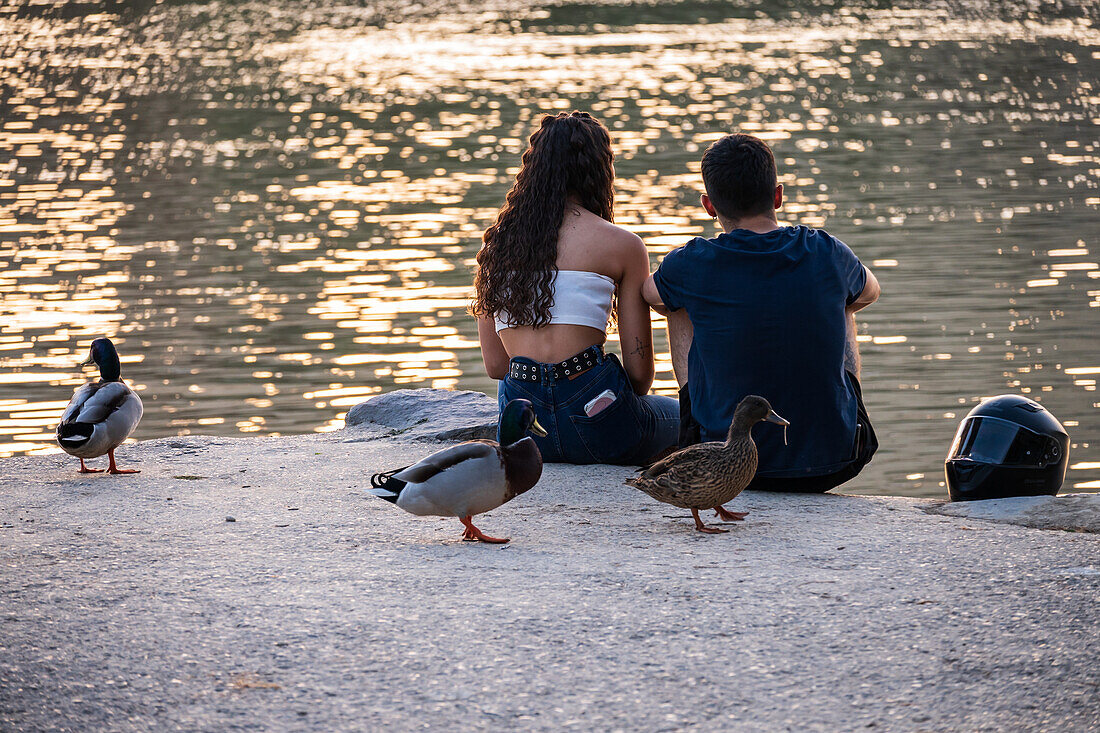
x=525, y=371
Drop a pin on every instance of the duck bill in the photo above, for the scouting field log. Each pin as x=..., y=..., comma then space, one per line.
x=537, y=429
x=773, y=416
x=87, y=362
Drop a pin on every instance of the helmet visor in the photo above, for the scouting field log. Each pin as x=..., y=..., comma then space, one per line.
x=998, y=441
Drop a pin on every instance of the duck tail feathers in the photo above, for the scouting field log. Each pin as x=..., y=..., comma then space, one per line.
x=74, y=434
x=386, y=486
x=384, y=494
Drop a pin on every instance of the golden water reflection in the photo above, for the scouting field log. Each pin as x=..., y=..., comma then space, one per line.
x=276, y=218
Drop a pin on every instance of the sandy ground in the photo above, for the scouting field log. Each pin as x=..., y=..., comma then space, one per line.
x=131, y=603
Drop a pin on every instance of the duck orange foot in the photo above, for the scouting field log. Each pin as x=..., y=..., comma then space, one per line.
x=115, y=469
x=727, y=516
x=473, y=534
x=700, y=527
x=85, y=469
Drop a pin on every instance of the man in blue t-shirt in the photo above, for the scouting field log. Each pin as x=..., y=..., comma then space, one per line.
x=768, y=310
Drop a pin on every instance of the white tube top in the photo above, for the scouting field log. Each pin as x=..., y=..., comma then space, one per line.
x=581, y=298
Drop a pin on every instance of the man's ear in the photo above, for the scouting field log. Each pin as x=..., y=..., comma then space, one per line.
x=709, y=206
x=778, y=195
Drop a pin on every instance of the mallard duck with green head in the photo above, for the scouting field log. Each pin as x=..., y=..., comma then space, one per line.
x=470, y=478
x=707, y=475
x=101, y=415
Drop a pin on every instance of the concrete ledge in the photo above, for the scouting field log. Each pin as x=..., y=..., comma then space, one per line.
x=445, y=415
x=134, y=602
x=428, y=414
x=1070, y=512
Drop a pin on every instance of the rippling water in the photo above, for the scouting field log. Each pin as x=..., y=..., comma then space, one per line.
x=273, y=208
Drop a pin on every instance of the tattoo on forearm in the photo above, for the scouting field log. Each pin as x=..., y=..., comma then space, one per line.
x=639, y=347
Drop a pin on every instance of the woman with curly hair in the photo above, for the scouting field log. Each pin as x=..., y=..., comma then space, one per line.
x=551, y=273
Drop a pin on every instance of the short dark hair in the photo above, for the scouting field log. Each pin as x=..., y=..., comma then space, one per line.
x=740, y=176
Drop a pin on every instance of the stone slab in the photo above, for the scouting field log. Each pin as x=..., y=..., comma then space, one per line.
x=1070, y=512
x=131, y=603
x=429, y=414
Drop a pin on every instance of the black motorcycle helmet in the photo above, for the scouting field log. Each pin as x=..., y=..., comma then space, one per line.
x=1007, y=446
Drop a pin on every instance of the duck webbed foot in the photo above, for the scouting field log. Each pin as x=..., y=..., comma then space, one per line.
x=85, y=469
x=727, y=516
x=700, y=527
x=473, y=534
x=115, y=469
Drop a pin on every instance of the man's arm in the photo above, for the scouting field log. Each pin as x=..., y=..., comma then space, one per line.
x=871, y=290
x=649, y=292
x=680, y=330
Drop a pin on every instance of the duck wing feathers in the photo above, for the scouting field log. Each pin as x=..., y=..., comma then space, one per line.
x=459, y=481
x=699, y=451
x=95, y=401
x=99, y=417
x=440, y=461
x=80, y=397
x=699, y=477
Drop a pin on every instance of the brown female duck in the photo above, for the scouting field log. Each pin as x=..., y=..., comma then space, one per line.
x=707, y=475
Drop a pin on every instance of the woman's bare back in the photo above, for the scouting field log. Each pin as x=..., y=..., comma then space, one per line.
x=588, y=243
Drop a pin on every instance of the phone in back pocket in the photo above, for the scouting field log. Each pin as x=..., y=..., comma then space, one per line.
x=599, y=403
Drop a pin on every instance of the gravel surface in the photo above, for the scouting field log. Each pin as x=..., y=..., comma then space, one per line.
x=137, y=603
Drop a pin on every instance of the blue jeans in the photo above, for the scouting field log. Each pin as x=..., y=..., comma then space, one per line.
x=632, y=430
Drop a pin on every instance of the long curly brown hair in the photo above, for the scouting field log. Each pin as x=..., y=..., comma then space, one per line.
x=569, y=155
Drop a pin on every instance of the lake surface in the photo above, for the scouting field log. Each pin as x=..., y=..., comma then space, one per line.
x=273, y=208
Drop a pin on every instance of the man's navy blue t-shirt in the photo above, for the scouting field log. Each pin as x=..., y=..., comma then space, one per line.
x=768, y=313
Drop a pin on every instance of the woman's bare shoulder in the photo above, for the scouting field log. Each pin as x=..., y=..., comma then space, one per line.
x=628, y=247
x=592, y=228
x=597, y=244
x=625, y=237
